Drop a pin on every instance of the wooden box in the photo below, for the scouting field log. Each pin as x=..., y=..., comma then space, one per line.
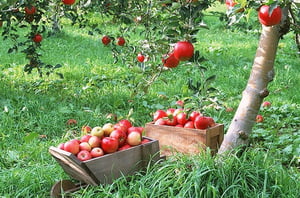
x=104, y=169
x=184, y=140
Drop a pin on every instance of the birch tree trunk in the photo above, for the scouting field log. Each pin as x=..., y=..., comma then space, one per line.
x=256, y=89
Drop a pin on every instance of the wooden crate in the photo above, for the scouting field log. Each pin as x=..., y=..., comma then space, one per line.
x=184, y=140
x=104, y=169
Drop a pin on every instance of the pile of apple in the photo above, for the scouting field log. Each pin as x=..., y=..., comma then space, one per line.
x=101, y=140
x=181, y=118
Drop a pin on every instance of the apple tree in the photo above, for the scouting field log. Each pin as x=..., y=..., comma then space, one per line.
x=262, y=72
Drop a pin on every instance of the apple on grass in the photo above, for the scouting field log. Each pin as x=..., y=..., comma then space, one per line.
x=97, y=152
x=266, y=104
x=134, y=138
x=84, y=155
x=86, y=129
x=94, y=141
x=259, y=118
x=97, y=131
x=85, y=146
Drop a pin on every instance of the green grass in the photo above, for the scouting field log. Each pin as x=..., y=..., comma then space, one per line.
x=93, y=87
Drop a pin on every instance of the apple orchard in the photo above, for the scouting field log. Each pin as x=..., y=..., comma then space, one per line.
x=177, y=23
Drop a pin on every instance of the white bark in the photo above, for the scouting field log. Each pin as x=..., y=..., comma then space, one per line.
x=262, y=73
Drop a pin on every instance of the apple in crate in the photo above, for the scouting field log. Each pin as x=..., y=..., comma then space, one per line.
x=124, y=147
x=97, y=152
x=109, y=145
x=134, y=138
x=107, y=128
x=94, y=141
x=85, y=138
x=72, y=146
x=85, y=146
x=119, y=135
x=97, y=131
x=84, y=155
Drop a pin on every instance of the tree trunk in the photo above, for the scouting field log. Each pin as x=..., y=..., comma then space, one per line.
x=256, y=90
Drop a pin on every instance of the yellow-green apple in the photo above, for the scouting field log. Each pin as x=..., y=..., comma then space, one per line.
x=119, y=135
x=97, y=131
x=97, y=152
x=134, y=138
x=94, y=141
x=85, y=138
x=84, y=155
x=72, y=146
x=85, y=146
x=109, y=145
x=107, y=128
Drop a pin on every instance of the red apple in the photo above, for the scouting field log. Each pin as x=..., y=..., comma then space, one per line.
x=201, y=122
x=182, y=118
x=37, y=39
x=118, y=126
x=177, y=111
x=170, y=111
x=30, y=10
x=266, y=104
x=134, y=138
x=180, y=103
x=120, y=41
x=193, y=115
x=85, y=138
x=94, y=141
x=85, y=146
x=86, y=129
x=211, y=122
x=259, y=118
x=109, y=145
x=97, y=152
x=159, y=114
x=68, y=2
x=125, y=123
x=61, y=146
x=84, y=155
x=145, y=140
x=105, y=40
x=171, y=120
x=189, y=124
x=124, y=147
x=119, y=135
x=179, y=125
x=72, y=146
x=139, y=129
x=160, y=121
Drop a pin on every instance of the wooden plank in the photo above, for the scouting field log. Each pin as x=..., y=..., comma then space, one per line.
x=72, y=166
x=122, y=163
x=189, y=141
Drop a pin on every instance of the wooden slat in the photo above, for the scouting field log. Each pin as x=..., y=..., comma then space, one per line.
x=72, y=166
x=189, y=141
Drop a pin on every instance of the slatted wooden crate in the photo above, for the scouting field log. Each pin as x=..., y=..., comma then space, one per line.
x=184, y=140
x=104, y=169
